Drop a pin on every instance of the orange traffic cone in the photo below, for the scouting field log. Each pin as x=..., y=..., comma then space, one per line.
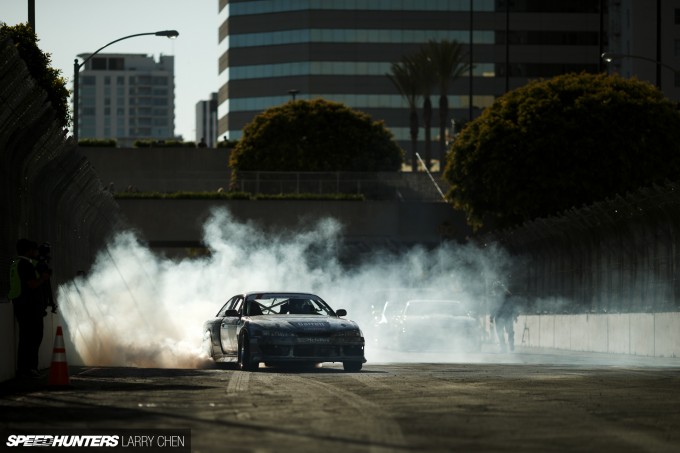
x=59, y=368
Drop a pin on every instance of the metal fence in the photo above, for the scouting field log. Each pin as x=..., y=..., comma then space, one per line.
x=373, y=185
x=620, y=255
x=50, y=193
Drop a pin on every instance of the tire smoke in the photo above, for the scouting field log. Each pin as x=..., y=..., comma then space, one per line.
x=135, y=308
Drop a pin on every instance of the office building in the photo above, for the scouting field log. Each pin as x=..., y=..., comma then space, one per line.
x=340, y=50
x=645, y=36
x=127, y=97
x=206, y=121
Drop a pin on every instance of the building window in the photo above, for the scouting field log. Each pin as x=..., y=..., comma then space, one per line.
x=99, y=64
x=116, y=64
x=677, y=16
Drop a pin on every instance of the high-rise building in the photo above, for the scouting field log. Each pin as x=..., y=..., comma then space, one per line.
x=127, y=97
x=644, y=36
x=206, y=121
x=341, y=50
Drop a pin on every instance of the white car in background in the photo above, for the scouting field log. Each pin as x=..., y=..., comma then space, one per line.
x=429, y=325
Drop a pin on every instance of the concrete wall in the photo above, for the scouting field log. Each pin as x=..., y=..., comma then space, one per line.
x=640, y=334
x=179, y=222
x=161, y=169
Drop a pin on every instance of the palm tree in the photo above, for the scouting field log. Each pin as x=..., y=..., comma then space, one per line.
x=448, y=61
x=427, y=78
x=404, y=76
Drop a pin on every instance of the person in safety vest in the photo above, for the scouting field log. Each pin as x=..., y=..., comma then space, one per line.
x=27, y=295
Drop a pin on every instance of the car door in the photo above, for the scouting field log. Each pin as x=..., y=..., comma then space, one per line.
x=214, y=328
x=229, y=323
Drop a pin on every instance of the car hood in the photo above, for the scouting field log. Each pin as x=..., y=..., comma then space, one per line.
x=303, y=323
x=439, y=320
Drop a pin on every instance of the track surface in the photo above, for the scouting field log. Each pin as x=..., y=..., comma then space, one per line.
x=521, y=402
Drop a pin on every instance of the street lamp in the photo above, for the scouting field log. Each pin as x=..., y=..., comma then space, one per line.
x=293, y=93
x=609, y=57
x=76, y=71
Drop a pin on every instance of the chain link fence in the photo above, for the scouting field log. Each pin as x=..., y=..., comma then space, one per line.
x=616, y=256
x=50, y=191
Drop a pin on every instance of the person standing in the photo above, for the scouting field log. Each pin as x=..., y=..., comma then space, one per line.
x=504, y=316
x=27, y=294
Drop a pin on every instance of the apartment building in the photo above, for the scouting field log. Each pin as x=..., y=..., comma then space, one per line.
x=127, y=97
x=206, y=121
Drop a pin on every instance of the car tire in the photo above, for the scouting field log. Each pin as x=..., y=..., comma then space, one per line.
x=245, y=362
x=352, y=367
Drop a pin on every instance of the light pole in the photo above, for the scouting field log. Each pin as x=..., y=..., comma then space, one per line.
x=609, y=57
x=76, y=71
x=293, y=93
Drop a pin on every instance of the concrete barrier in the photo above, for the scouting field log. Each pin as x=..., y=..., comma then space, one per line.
x=641, y=334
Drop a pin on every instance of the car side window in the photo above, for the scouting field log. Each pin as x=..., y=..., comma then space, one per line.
x=227, y=306
x=236, y=303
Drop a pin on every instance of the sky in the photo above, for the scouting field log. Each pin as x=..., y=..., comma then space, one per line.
x=67, y=28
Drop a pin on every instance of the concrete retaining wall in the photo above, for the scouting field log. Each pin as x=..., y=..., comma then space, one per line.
x=641, y=334
x=173, y=223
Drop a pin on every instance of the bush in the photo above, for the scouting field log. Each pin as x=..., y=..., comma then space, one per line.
x=163, y=144
x=234, y=196
x=98, y=142
x=315, y=136
x=559, y=143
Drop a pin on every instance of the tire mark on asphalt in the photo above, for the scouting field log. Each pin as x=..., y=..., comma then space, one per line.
x=238, y=383
x=375, y=423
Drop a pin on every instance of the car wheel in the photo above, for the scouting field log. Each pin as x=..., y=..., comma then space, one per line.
x=352, y=366
x=245, y=362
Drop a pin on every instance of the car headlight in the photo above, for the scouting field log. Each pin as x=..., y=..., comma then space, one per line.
x=258, y=331
x=277, y=333
x=349, y=333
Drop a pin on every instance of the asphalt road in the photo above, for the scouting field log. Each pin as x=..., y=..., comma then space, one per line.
x=485, y=403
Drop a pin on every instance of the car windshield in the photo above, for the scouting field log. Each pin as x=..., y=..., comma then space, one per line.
x=286, y=304
x=435, y=307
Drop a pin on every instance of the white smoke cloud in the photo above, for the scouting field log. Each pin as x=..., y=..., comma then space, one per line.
x=138, y=309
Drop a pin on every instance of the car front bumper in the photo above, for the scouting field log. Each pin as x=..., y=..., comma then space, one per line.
x=307, y=350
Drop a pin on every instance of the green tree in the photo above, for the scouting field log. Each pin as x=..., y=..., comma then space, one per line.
x=404, y=75
x=559, y=143
x=38, y=64
x=315, y=135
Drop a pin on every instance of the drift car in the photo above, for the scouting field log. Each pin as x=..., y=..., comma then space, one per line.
x=430, y=325
x=281, y=327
